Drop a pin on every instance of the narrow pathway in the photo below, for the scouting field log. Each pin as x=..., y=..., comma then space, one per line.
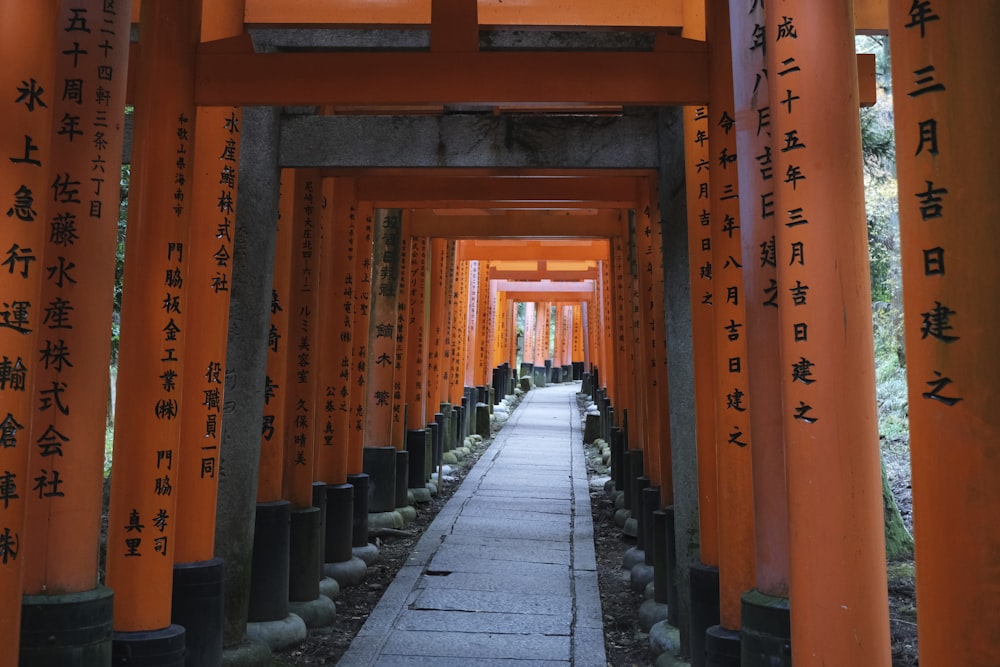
x=505, y=574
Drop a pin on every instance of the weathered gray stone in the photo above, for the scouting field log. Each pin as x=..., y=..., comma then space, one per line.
x=592, y=429
x=347, y=573
x=246, y=360
x=318, y=613
x=639, y=576
x=650, y=613
x=278, y=635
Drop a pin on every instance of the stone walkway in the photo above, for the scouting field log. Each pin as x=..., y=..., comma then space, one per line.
x=505, y=574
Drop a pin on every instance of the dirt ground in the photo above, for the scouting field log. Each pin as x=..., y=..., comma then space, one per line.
x=625, y=644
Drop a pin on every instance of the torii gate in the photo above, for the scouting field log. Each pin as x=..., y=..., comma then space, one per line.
x=194, y=61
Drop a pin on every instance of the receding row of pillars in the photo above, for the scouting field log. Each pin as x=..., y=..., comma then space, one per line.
x=788, y=490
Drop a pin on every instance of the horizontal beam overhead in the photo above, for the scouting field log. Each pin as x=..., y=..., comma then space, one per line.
x=540, y=297
x=533, y=250
x=492, y=191
x=544, y=274
x=604, y=224
x=543, y=286
x=471, y=141
x=633, y=14
x=674, y=76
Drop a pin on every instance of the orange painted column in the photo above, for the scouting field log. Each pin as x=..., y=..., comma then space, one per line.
x=528, y=346
x=760, y=289
x=336, y=327
x=209, y=247
x=609, y=329
x=559, y=335
x=60, y=543
x=645, y=330
x=487, y=327
x=435, y=329
x=455, y=327
x=839, y=608
x=732, y=398
x=29, y=52
x=657, y=307
x=416, y=336
x=362, y=283
x=579, y=333
x=621, y=304
x=403, y=331
x=467, y=311
x=501, y=322
x=454, y=343
x=382, y=328
x=301, y=373
x=279, y=338
x=946, y=140
x=696, y=157
x=543, y=322
x=141, y=520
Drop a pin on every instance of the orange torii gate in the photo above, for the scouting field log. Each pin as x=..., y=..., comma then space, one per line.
x=834, y=482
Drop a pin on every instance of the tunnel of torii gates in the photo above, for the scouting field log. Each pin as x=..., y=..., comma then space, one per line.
x=678, y=183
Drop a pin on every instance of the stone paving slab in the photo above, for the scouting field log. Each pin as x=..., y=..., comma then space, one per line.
x=536, y=554
x=510, y=568
x=477, y=581
x=495, y=623
x=494, y=602
x=477, y=645
x=506, y=572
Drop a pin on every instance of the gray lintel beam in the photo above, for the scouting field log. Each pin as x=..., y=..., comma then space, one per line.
x=470, y=141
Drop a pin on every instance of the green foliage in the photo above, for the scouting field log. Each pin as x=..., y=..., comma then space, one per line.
x=882, y=210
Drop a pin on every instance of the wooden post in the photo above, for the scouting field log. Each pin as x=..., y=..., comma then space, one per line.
x=416, y=337
x=209, y=247
x=839, y=607
x=467, y=310
x=382, y=328
x=336, y=326
x=732, y=398
x=946, y=145
x=645, y=330
x=487, y=326
x=272, y=461
x=760, y=291
x=72, y=351
x=528, y=346
x=28, y=47
x=435, y=361
x=657, y=305
x=141, y=520
x=362, y=283
x=403, y=332
x=300, y=376
x=454, y=344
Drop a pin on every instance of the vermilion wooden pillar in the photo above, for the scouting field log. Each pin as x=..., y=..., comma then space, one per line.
x=760, y=291
x=380, y=365
x=732, y=399
x=451, y=388
x=655, y=297
x=416, y=337
x=839, y=610
x=645, y=331
x=28, y=47
x=209, y=247
x=697, y=162
x=946, y=138
x=608, y=329
x=467, y=311
x=528, y=347
x=487, y=326
x=301, y=372
x=141, y=521
x=579, y=333
x=336, y=329
x=435, y=338
x=72, y=350
x=403, y=332
x=279, y=339
x=362, y=283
